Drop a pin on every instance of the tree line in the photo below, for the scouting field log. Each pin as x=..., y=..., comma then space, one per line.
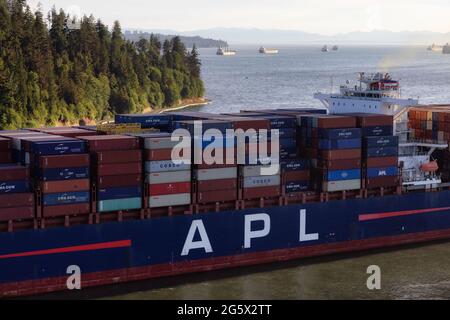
x=56, y=70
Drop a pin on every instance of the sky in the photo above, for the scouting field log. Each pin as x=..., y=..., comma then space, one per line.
x=326, y=17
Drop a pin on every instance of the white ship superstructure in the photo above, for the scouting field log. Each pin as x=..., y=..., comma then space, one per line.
x=379, y=94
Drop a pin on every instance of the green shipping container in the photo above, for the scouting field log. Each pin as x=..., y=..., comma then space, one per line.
x=120, y=204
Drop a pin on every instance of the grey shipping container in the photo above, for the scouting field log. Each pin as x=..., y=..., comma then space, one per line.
x=216, y=174
x=334, y=186
x=169, y=177
x=255, y=171
x=160, y=143
x=165, y=166
x=262, y=181
x=170, y=200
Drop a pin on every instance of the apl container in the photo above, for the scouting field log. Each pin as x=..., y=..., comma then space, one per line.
x=382, y=172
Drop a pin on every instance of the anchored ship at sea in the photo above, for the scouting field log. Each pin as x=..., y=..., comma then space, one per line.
x=264, y=50
x=369, y=170
x=225, y=52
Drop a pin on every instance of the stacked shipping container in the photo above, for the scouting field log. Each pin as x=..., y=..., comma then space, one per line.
x=117, y=171
x=5, y=150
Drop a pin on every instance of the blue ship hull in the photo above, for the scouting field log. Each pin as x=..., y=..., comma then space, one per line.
x=37, y=261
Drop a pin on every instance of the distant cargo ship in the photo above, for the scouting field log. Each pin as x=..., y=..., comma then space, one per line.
x=264, y=50
x=116, y=208
x=446, y=49
x=335, y=48
x=435, y=48
x=225, y=52
x=325, y=49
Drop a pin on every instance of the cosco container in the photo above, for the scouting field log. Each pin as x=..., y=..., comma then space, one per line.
x=170, y=200
x=382, y=172
x=335, y=134
x=262, y=181
x=119, y=193
x=165, y=166
x=168, y=177
x=14, y=187
x=55, y=199
x=213, y=174
x=63, y=174
x=334, y=186
x=340, y=144
x=119, y=205
x=160, y=121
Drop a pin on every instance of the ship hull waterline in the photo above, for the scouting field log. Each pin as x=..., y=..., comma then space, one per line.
x=37, y=261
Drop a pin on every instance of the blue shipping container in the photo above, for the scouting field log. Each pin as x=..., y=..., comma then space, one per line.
x=206, y=125
x=341, y=175
x=56, y=199
x=335, y=134
x=119, y=193
x=340, y=144
x=296, y=165
x=298, y=186
x=146, y=121
x=58, y=147
x=378, y=131
x=382, y=152
x=382, y=172
x=387, y=141
x=63, y=174
x=281, y=122
x=14, y=187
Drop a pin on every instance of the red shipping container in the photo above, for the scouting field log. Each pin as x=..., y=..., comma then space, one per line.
x=217, y=185
x=128, y=180
x=214, y=166
x=64, y=161
x=335, y=122
x=295, y=176
x=169, y=188
x=339, y=164
x=111, y=143
x=340, y=154
x=382, y=162
x=5, y=157
x=14, y=173
x=217, y=196
x=382, y=182
x=374, y=120
x=119, y=169
x=65, y=186
x=122, y=156
x=66, y=210
x=258, y=193
x=17, y=200
x=5, y=144
x=17, y=213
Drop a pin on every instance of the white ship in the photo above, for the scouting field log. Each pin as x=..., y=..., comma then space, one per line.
x=325, y=48
x=435, y=48
x=446, y=49
x=380, y=94
x=225, y=52
x=264, y=50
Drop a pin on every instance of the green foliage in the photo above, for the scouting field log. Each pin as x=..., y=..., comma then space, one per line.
x=60, y=74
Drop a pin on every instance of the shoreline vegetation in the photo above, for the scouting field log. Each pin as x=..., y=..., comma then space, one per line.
x=57, y=71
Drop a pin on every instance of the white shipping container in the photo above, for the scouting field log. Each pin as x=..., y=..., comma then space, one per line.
x=345, y=185
x=170, y=200
x=169, y=177
x=256, y=171
x=160, y=143
x=262, y=181
x=165, y=166
x=216, y=174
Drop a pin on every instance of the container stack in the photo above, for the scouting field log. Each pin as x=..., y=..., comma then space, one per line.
x=117, y=170
x=161, y=122
x=5, y=150
x=257, y=184
x=296, y=175
x=334, y=145
x=380, y=151
x=168, y=183
x=61, y=171
x=16, y=198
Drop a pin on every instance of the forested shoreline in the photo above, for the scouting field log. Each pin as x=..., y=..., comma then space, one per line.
x=54, y=70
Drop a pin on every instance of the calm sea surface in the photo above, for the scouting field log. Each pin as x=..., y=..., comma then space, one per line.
x=253, y=81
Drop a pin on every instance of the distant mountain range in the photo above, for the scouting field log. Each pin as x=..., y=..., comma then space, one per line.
x=290, y=37
x=188, y=41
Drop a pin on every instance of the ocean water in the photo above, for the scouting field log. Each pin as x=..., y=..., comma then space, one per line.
x=253, y=81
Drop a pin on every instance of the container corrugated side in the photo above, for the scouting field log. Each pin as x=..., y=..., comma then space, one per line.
x=119, y=205
x=20, y=213
x=165, y=166
x=168, y=177
x=256, y=171
x=334, y=186
x=262, y=181
x=170, y=200
x=214, y=174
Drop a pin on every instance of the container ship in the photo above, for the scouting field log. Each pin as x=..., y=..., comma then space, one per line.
x=370, y=170
x=225, y=52
x=264, y=50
